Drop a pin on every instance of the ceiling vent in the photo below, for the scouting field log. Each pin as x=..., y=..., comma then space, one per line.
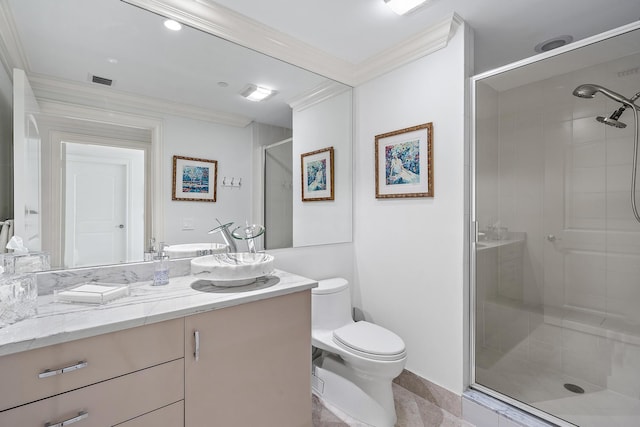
x=101, y=80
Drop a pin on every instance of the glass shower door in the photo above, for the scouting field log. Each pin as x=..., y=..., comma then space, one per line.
x=557, y=261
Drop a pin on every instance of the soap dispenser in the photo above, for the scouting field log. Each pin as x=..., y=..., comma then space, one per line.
x=161, y=267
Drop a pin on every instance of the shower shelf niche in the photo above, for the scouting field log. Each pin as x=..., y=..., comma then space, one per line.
x=514, y=238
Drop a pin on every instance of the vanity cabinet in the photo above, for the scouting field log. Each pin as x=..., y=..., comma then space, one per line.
x=99, y=381
x=245, y=365
x=250, y=365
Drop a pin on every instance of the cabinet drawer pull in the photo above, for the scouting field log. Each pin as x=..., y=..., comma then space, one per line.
x=81, y=416
x=196, y=353
x=51, y=373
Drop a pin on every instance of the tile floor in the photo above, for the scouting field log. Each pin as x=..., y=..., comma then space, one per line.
x=412, y=411
x=544, y=389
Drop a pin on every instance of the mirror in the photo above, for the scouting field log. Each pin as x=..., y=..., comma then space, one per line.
x=171, y=93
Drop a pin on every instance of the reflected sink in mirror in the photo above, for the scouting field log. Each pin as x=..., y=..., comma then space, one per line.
x=233, y=269
x=190, y=250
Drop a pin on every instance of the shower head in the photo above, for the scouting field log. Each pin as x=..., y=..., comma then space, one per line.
x=612, y=120
x=590, y=90
x=585, y=91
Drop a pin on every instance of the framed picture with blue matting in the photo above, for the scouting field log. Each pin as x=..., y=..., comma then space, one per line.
x=194, y=179
x=404, y=162
x=317, y=175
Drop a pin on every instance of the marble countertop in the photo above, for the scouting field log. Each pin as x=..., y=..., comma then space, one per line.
x=58, y=322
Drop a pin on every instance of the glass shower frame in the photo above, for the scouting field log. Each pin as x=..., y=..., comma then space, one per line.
x=499, y=232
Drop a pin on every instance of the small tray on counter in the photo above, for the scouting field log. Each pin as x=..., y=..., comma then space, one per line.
x=92, y=293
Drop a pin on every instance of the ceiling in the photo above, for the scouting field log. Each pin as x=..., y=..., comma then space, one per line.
x=71, y=39
x=505, y=30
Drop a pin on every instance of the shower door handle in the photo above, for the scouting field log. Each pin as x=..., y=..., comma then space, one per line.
x=552, y=238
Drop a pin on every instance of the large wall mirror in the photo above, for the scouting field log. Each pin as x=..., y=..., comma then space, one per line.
x=118, y=95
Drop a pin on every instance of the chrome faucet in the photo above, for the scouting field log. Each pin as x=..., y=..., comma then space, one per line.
x=248, y=233
x=226, y=236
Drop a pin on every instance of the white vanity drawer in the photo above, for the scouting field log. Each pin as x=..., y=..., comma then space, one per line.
x=107, y=403
x=47, y=371
x=169, y=416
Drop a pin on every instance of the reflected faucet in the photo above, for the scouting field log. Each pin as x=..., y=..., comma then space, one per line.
x=248, y=233
x=226, y=236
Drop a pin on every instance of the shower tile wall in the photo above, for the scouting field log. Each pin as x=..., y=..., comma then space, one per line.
x=547, y=167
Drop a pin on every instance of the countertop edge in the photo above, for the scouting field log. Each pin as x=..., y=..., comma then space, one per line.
x=61, y=334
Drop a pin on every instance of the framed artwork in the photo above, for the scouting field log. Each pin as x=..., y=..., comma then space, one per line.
x=404, y=163
x=194, y=179
x=317, y=175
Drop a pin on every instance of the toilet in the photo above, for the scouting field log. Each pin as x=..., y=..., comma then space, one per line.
x=353, y=362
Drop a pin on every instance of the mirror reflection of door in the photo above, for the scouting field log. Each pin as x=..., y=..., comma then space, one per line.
x=278, y=194
x=26, y=169
x=104, y=200
x=32, y=197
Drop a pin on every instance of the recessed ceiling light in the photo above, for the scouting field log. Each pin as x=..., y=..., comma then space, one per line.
x=223, y=84
x=173, y=25
x=404, y=6
x=553, y=43
x=257, y=93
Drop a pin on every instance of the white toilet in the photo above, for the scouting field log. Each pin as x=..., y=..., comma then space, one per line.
x=354, y=362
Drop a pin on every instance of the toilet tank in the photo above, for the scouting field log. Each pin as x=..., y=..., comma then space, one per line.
x=331, y=304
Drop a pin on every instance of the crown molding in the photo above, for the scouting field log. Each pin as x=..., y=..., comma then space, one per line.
x=11, y=53
x=220, y=21
x=325, y=90
x=50, y=89
x=422, y=44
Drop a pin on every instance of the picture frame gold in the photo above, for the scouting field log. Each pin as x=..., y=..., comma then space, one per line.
x=404, y=162
x=194, y=179
x=317, y=175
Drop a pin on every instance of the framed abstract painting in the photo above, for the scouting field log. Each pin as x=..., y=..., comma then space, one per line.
x=404, y=162
x=194, y=179
x=317, y=175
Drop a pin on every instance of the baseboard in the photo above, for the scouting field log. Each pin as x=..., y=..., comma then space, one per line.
x=439, y=396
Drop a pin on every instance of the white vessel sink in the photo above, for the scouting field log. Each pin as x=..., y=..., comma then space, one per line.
x=189, y=250
x=234, y=269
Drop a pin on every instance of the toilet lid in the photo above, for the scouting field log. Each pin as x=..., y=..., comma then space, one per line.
x=330, y=286
x=369, y=340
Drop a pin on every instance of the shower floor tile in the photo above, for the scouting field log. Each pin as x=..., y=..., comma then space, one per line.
x=544, y=389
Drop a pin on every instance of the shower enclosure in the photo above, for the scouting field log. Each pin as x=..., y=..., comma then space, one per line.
x=556, y=253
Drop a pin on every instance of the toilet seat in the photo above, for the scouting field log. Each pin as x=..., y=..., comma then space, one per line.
x=370, y=341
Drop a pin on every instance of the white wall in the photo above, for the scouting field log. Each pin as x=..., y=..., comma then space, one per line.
x=323, y=125
x=317, y=262
x=6, y=143
x=409, y=262
x=232, y=148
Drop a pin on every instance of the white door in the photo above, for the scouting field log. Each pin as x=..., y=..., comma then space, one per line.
x=96, y=212
x=26, y=161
